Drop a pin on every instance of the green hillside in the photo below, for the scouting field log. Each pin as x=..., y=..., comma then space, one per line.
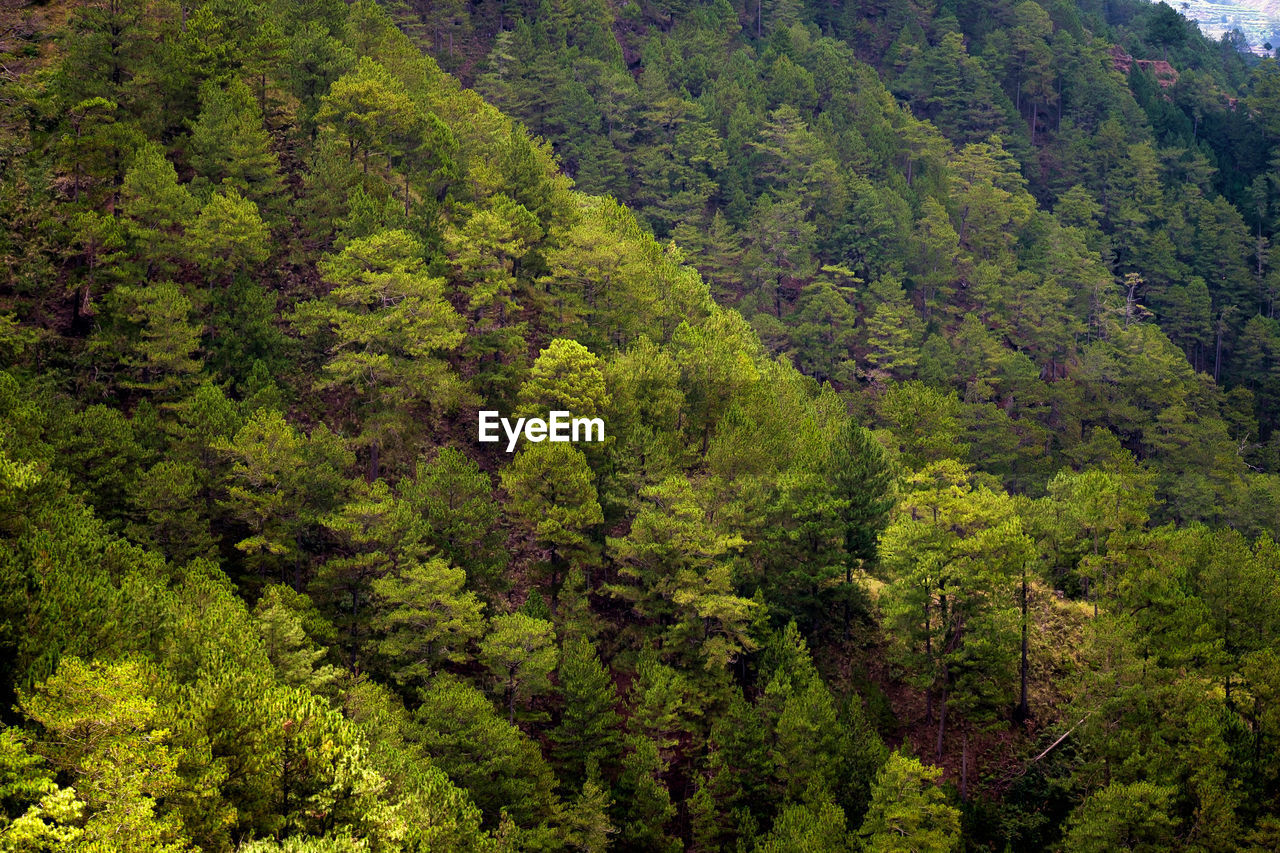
x=936, y=361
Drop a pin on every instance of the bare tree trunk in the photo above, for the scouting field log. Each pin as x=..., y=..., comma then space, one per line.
x=928, y=654
x=354, y=633
x=848, y=585
x=1023, y=710
x=942, y=721
x=1217, y=353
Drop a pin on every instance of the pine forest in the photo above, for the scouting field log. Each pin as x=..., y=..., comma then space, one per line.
x=935, y=495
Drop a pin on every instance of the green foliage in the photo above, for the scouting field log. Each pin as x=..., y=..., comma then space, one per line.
x=1132, y=817
x=158, y=207
x=677, y=573
x=455, y=499
x=645, y=803
x=565, y=377
x=552, y=493
x=101, y=726
x=159, y=356
x=520, y=652
x=817, y=827
x=368, y=107
x=952, y=552
x=587, y=735
x=229, y=237
x=241, y=240
x=426, y=616
x=229, y=147
x=502, y=768
x=52, y=816
x=908, y=811
x=279, y=482
x=296, y=658
x=390, y=327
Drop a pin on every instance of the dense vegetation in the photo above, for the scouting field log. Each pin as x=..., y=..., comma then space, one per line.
x=939, y=367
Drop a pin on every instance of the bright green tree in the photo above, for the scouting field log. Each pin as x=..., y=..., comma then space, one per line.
x=675, y=570
x=1124, y=817
x=952, y=552
x=229, y=237
x=908, y=813
x=520, y=652
x=280, y=481
x=375, y=534
x=367, y=107
x=230, y=148
x=391, y=328
x=426, y=617
x=52, y=816
x=566, y=376
x=105, y=730
x=455, y=499
x=493, y=760
x=157, y=206
x=816, y=826
x=281, y=616
x=553, y=495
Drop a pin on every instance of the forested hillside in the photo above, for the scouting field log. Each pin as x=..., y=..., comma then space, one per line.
x=938, y=367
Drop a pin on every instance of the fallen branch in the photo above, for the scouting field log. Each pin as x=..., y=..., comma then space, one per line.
x=1051, y=746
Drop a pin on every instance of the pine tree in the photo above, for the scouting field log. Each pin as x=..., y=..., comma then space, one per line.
x=520, y=652
x=157, y=206
x=107, y=734
x=815, y=826
x=675, y=572
x=908, y=812
x=497, y=764
x=293, y=654
x=553, y=495
x=367, y=107
x=456, y=501
x=644, y=803
x=229, y=237
x=391, y=327
x=862, y=480
x=587, y=734
x=426, y=618
x=229, y=147
x=164, y=340
x=1136, y=816
x=566, y=376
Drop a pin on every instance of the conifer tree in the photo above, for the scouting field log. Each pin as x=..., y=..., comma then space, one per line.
x=229, y=236
x=164, y=342
x=908, y=812
x=427, y=618
x=229, y=147
x=157, y=206
x=587, y=734
x=294, y=655
x=391, y=327
x=520, y=652
x=456, y=501
x=553, y=494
